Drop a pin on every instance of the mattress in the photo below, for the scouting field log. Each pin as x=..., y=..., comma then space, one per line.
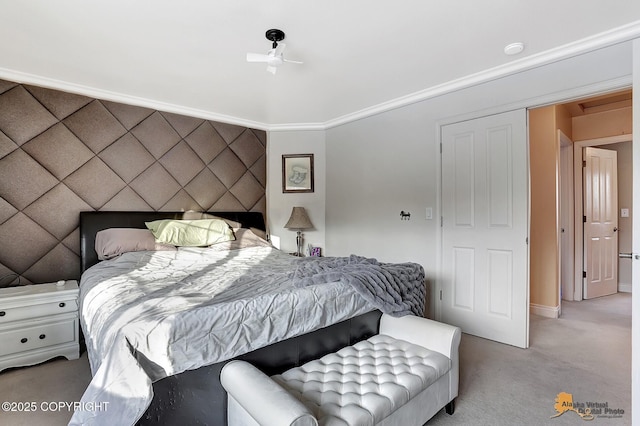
x=149, y=315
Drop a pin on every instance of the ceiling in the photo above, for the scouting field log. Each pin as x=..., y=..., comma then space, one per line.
x=601, y=103
x=190, y=57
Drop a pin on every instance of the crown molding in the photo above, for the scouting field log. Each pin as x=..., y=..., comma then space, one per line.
x=597, y=41
x=78, y=89
x=296, y=127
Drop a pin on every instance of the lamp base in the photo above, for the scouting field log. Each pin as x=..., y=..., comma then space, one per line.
x=299, y=243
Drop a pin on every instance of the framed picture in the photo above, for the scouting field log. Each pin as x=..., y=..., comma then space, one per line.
x=297, y=173
x=315, y=251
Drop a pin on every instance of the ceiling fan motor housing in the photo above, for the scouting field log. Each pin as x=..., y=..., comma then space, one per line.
x=275, y=36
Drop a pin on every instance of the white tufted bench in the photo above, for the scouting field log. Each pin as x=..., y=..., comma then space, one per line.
x=402, y=376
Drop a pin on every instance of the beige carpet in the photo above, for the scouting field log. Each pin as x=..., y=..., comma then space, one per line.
x=586, y=353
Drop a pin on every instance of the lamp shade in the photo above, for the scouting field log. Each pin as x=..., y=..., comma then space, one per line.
x=299, y=219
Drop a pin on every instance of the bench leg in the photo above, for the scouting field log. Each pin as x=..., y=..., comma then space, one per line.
x=450, y=407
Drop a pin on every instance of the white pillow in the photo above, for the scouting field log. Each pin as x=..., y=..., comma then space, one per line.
x=191, y=233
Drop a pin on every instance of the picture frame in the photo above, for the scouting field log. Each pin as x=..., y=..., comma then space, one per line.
x=297, y=173
x=315, y=251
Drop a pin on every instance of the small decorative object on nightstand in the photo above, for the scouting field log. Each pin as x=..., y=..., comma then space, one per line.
x=298, y=221
x=38, y=322
x=314, y=251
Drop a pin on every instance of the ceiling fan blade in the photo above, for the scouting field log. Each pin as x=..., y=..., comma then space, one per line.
x=279, y=49
x=257, y=57
x=274, y=57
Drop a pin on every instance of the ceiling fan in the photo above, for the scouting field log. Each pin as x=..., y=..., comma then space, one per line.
x=274, y=58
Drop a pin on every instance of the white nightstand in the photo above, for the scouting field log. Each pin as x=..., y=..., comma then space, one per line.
x=38, y=322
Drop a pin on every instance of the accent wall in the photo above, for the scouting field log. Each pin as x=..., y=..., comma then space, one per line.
x=62, y=153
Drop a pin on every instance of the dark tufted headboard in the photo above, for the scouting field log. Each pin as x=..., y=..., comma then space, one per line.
x=93, y=221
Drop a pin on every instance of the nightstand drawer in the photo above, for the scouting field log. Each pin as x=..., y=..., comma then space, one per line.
x=38, y=336
x=39, y=310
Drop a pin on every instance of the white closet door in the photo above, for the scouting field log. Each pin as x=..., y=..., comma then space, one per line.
x=485, y=227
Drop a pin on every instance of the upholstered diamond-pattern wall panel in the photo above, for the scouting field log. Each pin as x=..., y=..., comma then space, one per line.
x=61, y=154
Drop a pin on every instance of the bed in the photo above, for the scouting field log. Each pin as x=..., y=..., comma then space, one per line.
x=160, y=324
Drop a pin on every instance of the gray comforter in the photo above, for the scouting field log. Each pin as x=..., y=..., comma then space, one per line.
x=395, y=288
x=180, y=310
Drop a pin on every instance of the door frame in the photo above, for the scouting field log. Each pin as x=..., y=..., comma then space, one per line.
x=579, y=207
x=566, y=216
x=551, y=98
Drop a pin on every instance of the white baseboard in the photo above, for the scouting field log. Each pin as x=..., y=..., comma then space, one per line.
x=545, y=311
x=624, y=288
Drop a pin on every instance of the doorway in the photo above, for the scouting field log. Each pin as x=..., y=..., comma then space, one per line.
x=596, y=121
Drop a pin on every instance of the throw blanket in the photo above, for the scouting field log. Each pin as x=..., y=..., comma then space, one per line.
x=396, y=289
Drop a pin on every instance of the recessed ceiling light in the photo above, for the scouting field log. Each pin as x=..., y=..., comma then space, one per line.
x=514, y=48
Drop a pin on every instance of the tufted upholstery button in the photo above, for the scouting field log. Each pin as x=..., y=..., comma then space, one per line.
x=366, y=382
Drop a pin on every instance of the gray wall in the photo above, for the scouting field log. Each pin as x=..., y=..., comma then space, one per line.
x=390, y=162
x=61, y=154
x=280, y=204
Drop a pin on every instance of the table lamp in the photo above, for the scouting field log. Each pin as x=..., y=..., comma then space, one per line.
x=298, y=221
